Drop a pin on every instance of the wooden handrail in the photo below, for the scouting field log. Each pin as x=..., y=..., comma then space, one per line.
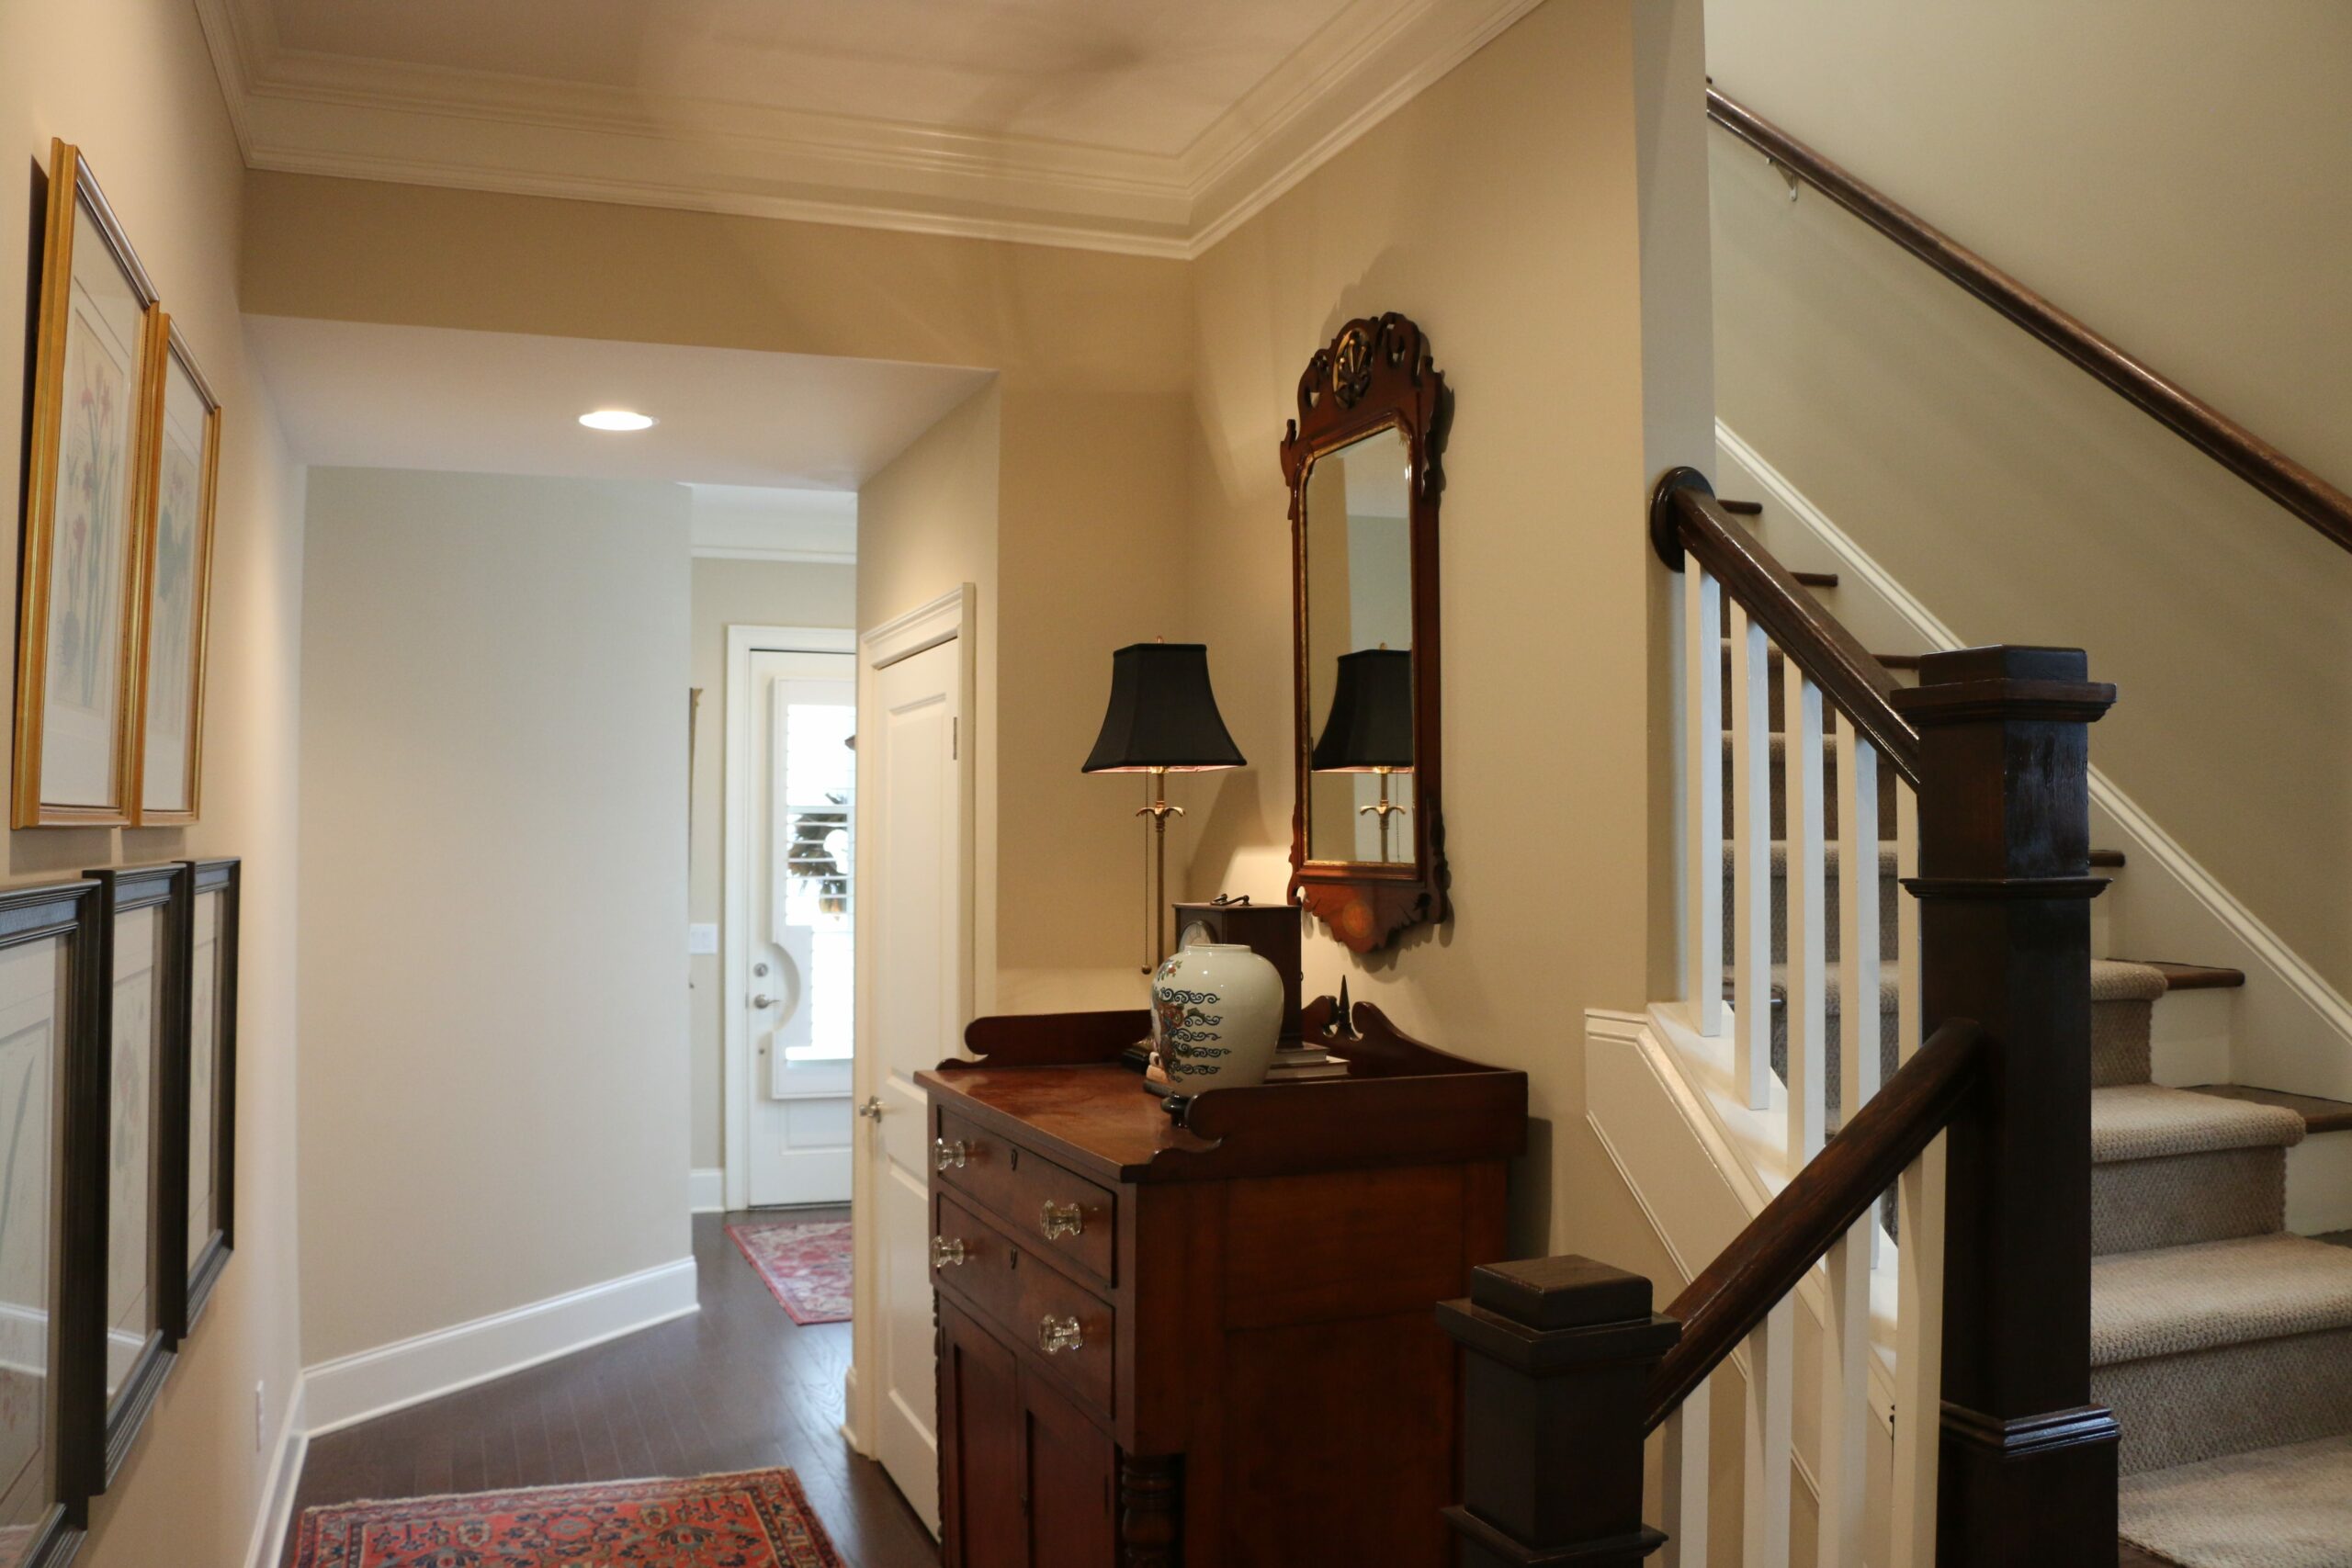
x=2225, y=441
x=1684, y=514
x=1838, y=1186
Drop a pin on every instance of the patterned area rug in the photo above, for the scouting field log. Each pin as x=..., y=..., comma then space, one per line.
x=805, y=1262
x=756, y=1520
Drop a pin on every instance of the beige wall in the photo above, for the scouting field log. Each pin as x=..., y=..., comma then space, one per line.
x=733, y=593
x=1500, y=210
x=2171, y=172
x=495, y=892
x=130, y=83
x=1079, y=554
x=926, y=524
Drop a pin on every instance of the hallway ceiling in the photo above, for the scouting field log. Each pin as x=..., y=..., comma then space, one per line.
x=1147, y=126
x=363, y=395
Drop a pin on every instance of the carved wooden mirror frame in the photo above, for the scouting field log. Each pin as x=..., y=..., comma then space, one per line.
x=1376, y=373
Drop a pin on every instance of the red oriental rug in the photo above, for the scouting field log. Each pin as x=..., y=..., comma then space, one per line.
x=805, y=1262
x=757, y=1519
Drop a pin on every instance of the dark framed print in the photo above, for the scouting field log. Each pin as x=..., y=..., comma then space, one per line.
x=51, y=1006
x=211, y=1079
x=98, y=348
x=145, y=935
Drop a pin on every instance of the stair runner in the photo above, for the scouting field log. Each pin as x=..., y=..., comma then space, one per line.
x=2223, y=1344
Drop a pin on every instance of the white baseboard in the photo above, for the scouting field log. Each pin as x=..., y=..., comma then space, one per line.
x=2291, y=1029
x=374, y=1382
x=706, y=1190
x=276, y=1513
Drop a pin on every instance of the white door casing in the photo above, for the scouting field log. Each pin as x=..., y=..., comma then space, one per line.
x=797, y=1005
x=743, y=784
x=915, y=987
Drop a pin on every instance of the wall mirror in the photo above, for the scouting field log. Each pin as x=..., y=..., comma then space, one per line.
x=1367, y=843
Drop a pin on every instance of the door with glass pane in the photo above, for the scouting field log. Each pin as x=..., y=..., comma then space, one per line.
x=801, y=928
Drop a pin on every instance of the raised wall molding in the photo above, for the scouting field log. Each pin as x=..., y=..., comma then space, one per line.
x=374, y=1382
x=318, y=114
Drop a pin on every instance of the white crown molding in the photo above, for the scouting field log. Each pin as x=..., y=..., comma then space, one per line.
x=1352, y=75
x=775, y=553
x=301, y=112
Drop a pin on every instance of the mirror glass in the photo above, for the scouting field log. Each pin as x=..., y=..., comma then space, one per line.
x=1360, y=652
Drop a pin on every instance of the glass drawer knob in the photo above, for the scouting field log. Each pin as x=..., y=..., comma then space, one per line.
x=947, y=1253
x=949, y=1156
x=1061, y=1220
x=1056, y=1335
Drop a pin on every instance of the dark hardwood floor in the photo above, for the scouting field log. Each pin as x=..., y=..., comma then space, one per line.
x=738, y=1386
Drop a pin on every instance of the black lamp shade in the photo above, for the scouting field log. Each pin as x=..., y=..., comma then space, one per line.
x=1372, y=715
x=1162, y=713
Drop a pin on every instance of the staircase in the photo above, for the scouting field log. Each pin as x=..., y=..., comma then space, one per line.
x=2220, y=1341
x=1903, y=1125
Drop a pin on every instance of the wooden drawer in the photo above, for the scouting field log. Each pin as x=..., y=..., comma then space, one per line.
x=1050, y=1209
x=1004, y=1284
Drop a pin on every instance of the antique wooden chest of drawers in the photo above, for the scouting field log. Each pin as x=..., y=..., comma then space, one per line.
x=1211, y=1344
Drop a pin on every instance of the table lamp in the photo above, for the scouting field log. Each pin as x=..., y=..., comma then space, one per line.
x=1163, y=719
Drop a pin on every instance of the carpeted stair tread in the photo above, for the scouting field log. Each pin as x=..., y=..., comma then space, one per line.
x=2177, y=1300
x=2284, y=1507
x=2119, y=980
x=2135, y=1122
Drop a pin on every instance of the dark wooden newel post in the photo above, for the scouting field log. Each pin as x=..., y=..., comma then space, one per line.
x=2028, y=1464
x=1559, y=1352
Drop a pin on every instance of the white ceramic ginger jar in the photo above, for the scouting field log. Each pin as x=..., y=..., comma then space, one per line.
x=1216, y=1012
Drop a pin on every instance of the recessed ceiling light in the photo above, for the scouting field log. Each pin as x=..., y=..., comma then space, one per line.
x=617, y=419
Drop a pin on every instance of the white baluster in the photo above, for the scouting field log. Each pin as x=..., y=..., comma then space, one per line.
x=1859, y=1026
x=1808, y=852
x=1919, y=1264
x=1704, y=716
x=1772, y=1415
x=1751, y=832
x=1906, y=920
x=1844, y=1470
x=1918, y=1357
x=1686, y=1481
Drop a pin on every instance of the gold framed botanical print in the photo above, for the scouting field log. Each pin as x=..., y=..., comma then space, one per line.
x=98, y=349
x=177, y=574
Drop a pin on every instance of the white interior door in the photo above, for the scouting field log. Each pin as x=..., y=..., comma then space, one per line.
x=801, y=997
x=917, y=995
